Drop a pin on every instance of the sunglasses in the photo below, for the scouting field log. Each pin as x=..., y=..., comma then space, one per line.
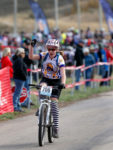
x=51, y=49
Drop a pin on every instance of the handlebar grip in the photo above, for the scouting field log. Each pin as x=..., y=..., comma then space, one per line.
x=32, y=85
x=61, y=86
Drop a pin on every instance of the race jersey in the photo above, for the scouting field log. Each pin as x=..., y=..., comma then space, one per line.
x=51, y=67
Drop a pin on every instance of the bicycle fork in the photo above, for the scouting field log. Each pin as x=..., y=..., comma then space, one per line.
x=48, y=107
x=48, y=115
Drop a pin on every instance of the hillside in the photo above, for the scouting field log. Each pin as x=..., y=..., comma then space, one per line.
x=67, y=14
x=6, y=6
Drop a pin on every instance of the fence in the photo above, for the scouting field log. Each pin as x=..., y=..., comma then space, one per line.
x=6, y=101
x=82, y=68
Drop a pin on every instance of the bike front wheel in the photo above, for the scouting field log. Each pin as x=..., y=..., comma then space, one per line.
x=50, y=129
x=42, y=125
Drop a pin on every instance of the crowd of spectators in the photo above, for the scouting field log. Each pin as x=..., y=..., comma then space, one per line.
x=82, y=47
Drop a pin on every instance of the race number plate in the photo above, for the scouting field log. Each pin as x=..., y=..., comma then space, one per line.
x=46, y=90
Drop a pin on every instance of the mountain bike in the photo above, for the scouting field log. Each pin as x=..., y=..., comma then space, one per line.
x=45, y=118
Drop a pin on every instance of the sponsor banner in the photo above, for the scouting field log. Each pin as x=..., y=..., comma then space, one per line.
x=108, y=11
x=6, y=99
x=23, y=95
x=39, y=16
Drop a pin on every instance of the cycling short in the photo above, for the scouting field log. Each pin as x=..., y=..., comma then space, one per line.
x=53, y=82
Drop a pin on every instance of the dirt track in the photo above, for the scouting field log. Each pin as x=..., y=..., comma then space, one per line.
x=85, y=125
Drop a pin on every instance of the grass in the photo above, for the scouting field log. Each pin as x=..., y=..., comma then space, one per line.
x=83, y=93
x=73, y=95
x=67, y=96
x=9, y=116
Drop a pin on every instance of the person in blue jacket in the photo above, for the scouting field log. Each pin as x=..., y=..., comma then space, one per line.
x=88, y=61
x=93, y=52
x=103, y=68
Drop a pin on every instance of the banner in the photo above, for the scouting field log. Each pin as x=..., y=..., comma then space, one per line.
x=108, y=11
x=6, y=100
x=23, y=95
x=39, y=16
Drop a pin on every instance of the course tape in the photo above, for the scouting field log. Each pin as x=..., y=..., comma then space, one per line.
x=72, y=85
x=82, y=69
x=76, y=68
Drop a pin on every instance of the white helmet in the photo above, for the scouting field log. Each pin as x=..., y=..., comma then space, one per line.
x=86, y=50
x=53, y=43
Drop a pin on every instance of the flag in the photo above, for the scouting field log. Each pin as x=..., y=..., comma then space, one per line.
x=39, y=16
x=108, y=11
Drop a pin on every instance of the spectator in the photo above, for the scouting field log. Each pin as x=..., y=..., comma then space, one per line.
x=82, y=34
x=88, y=60
x=20, y=75
x=79, y=56
x=101, y=34
x=88, y=34
x=93, y=52
x=69, y=55
x=76, y=37
x=5, y=61
x=109, y=56
x=1, y=50
x=96, y=34
x=28, y=63
x=103, y=68
x=69, y=37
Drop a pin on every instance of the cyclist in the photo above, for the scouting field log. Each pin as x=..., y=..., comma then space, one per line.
x=53, y=71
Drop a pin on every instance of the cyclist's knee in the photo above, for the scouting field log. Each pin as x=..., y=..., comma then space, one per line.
x=54, y=99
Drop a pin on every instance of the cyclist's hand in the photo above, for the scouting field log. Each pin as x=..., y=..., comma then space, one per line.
x=33, y=42
x=62, y=86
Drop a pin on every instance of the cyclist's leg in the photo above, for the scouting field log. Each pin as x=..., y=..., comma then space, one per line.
x=54, y=107
x=55, y=113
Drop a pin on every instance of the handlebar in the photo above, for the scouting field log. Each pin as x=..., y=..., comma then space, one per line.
x=39, y=86
x=36, y=86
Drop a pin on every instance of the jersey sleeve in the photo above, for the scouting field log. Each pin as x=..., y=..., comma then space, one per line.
x=61, y=62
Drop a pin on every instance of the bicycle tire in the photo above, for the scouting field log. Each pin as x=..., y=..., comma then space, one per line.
x=42, y=127
x=50, y=129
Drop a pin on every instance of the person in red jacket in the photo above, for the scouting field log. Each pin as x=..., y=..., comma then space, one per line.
x=5, y=61
x=109, y=56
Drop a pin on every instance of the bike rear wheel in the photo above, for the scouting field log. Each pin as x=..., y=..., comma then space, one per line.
x=50, y=129
x=42, y=125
